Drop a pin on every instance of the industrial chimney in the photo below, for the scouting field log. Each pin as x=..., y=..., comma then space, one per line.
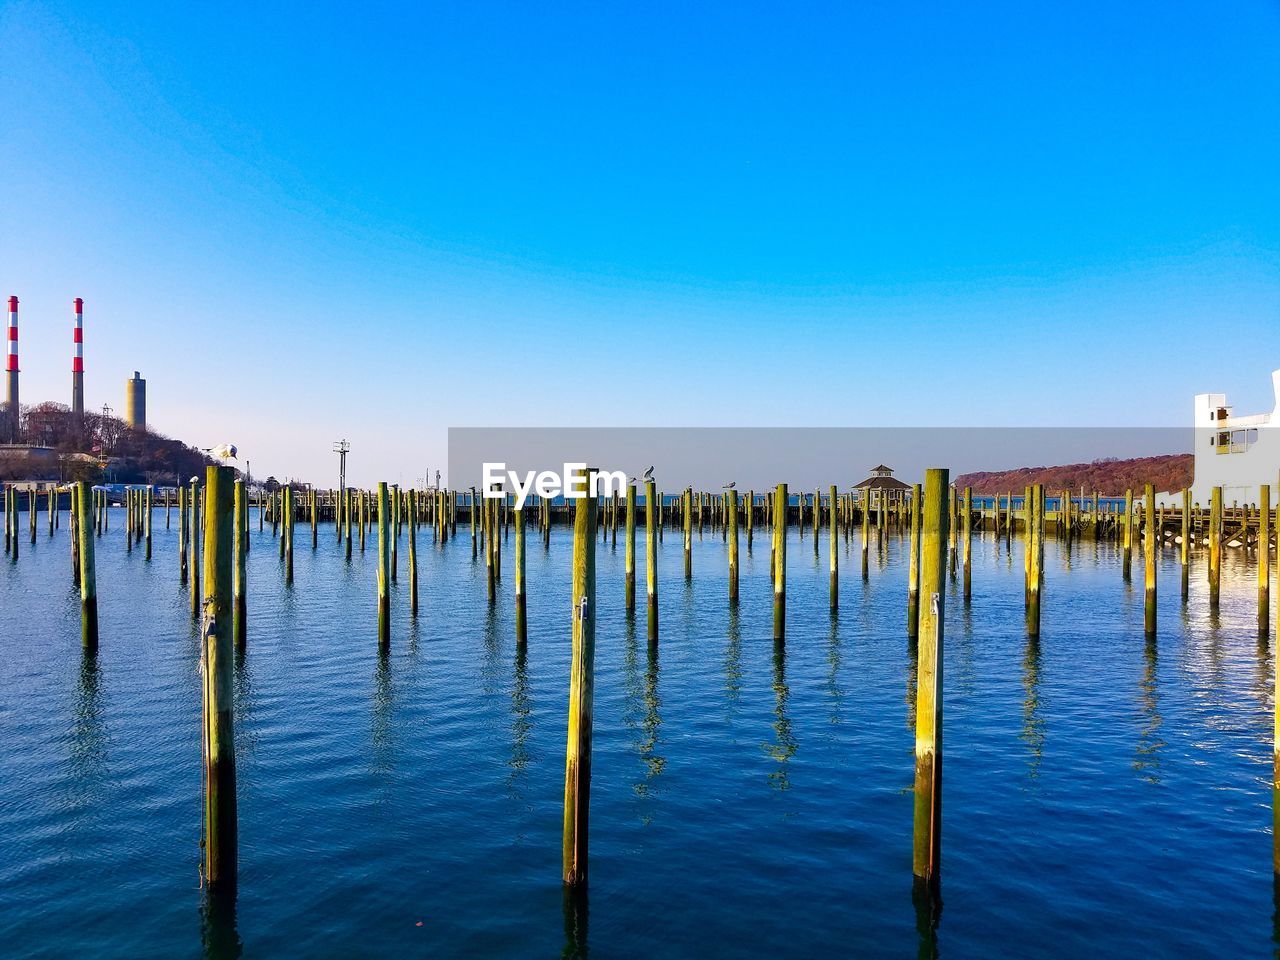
x=77, y=363
x=135, y=402
x=11, y=375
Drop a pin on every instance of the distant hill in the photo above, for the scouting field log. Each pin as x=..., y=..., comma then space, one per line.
x=1109, y=477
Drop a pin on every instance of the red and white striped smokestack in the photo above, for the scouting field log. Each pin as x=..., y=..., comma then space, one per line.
x=11, y=374
x=77, y=361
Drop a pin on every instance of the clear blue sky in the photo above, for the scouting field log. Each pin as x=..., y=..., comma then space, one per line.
x=307, y=221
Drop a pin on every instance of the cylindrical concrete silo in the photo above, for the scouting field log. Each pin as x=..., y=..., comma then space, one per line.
x=135, y=402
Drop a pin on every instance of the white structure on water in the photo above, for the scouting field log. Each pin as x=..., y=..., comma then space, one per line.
x=1238, y=454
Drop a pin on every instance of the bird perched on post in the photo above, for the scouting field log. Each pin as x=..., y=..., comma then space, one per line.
x=223, y=451
x=730, y=485
x=648, y=474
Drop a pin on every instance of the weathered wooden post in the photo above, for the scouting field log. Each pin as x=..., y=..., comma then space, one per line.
x=1185, y=551
x=413, y=555
x=577, y=769
x=518, y=576
x=780, y=562
x=866, y=533
x=1215, y=547
x=1150, y=546
x=687, y=503
x=732, y=523
x=927, y=849
x=913, y=562
x=966, y=547
x=631, y=548
x=315, y=520
x=651, y=534
x=182, y=534
x=1264, y=561
x=88, y=579
x=193, y=562
x=220, y=820
x=384, y=569
x=240, y=580
x=1126, y=534
x=287, y=535
x=1035, y=557
x=833, y=529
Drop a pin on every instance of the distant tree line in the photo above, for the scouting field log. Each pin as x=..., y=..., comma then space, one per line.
x=1108, y=476
x=98, y=448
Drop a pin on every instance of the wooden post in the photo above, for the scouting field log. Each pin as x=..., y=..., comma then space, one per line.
x=1150, y=545
x=1035, y=556
x=966, y=546
x=732, y=523
x=866, y=533
x=88, y=579
x=927, y=848
x=182, y=535
x=1126, y=534
x=315, y=520
x=1185, y=552
x=833, y=530
x=1264, y=561
x=913, y=562
x=780, y=562
x=687, y=502
x=384, y=569
x=240, y=579
x=413, y=554
x=651, y=534
x=521, y=623
x=220, y=821
x=577, y=767
x=1215, y=547
x=631, y=548
x=287, y=535
x=193, y=542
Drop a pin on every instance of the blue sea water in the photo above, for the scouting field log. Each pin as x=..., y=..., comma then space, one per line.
x=1105, y=794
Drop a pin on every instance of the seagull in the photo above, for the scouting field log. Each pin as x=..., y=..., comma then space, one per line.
x=730, y=485
x=648, y=474
x=223, y=451
x=195, y=479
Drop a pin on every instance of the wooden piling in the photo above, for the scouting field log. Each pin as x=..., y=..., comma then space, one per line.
x=286, y=539
x=630, y=568
x=966, y=542
x=1185, y=546
x=780, y=562
x=1035, y=557
x=1215, y=547
x=88, y=578
x=413, y=556
x=240, y=620
x=577, y=771
x=384, y=569
x=732, y=523
x=518, y=576
x=927, y=833
x=913, y=562
x=1264, y=561
x=193, y=546
x=220, y=820
x=652, y=530
x=1150, y=545
x=1126, y=535
x=833, y=531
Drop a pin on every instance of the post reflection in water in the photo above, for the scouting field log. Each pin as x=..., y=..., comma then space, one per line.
x=575, y=922
x=733, y=662
x=913, y=677
x=521, y=709
x=653, y=761
x=785, y=746
x=1147, y=757
x=219, y=937
x=1033, y=723
x=927, y=901
x=88, y=741
x=383, y=695
x=834, y=690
